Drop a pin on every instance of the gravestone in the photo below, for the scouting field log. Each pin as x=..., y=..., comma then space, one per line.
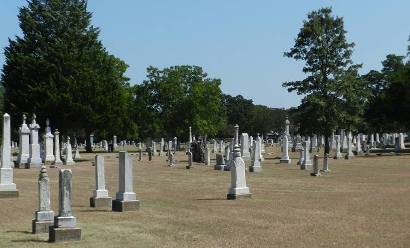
x=140, y=155
x=65, y=224
x=161, y=149
x=359, y=144
x=77, y=155
x=126, y=199
x=49, y=145
x=114, y=142
x=285, y=157
x=57, y=159
x=338, y=154
x=255, y=158
x=238, y=187
x=220, y=162
x=7, y=187
x=301, y=153
x=316, y=171
x=24, y=140
x=207, y=154
x=68, y=160
x=349, y=154
x=35, y=159
x=326, y=163
x=245, y=145
x=189, y=154
x=44, y=217
x=306, y=157
x=100, y=198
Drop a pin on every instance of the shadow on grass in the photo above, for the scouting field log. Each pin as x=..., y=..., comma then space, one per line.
x=29, y=240
x=212, y=199
x=18, y=231
x=95, y=210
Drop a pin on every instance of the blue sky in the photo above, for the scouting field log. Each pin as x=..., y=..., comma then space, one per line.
x=239, y=41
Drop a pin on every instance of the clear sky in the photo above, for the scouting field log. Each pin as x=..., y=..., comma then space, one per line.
x=239, y=41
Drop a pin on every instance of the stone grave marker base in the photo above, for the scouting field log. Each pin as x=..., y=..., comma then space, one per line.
x=122, y=206
x=64, y=234
x=9, y=193
x=238, y=196
x=41, y=226
x=100, y=202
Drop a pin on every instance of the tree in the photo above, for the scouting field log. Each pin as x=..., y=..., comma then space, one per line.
x=172, y=99
x=60, y=70
x=332, y=78
x=238, y=111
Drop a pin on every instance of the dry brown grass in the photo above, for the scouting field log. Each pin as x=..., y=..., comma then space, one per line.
x=363, y=202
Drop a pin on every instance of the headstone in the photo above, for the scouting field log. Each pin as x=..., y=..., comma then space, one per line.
x=227, y=154
x=207, y=155
x=372, y=143
x=114, y=142
x=7, y=187
x=105, y=145
x=301, y=154
x=245, y=145
x=65, y=224
x=154, y=148
x=222, y=146
x=377, y=139
x=214, y=143
x=238, y=187
x=259, y=139
x=57, y=160
x=44, y=217
x=68, y=160
x=255, y=158
x=77, y=155
x=189, y=154
x=220, y=162
x=49, y=144
x=35, y=159
x=306, y=161
x=140, y=155
x=401, y=141
x=326, y=163
x=316, y=171
x=161, y=149
x=349, y=154
x=100, y=198
x=171, y=160
x=126, y=199
x=359, y=144
x=24, y=140
x=150, y=152
x=285, y=157
x=338, y=154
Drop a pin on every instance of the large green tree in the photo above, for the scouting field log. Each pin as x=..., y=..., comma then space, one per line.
x=60, y=70
x=332, y=84
x=174, y=98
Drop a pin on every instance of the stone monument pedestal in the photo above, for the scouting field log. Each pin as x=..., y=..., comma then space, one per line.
x=100, y=202
x=285, y=161
x=41, y=226
x=64, y=234
x=255, y=168
x=123, y=206
x=235, y=196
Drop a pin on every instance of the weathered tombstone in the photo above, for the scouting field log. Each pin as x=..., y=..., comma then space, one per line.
x=359, y=144
x=114, y=142
x=190, y=135
x=255, y=158
x=35, y=159
x=100, y=198
x=259, y=139
x=372, y=143
x=401, y=141
x=220, y=162
x=171, y=160
x=238, y=187
x=227, y=154
x=24, y=140
x=175, y=144
x=77, y=155
x=349, y=154
x=154, y=149
x=301, y=153
x=68, y=160
x=44, y=217
x=189, y=154
x=285, y=157
x=126, y=199
x=49, y=145
x=65, y=224
x=207, y=154
x=161, y=149
x=307, y=162
x=377, y=139
x=7, y=187
x=222, y=146
x=326, y=163
x=338, y=154
x=215, y=147
x=316, y=171
x=245, y=145
x=57, y=159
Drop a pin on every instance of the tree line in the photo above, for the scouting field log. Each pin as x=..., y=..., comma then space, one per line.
x=59, y=69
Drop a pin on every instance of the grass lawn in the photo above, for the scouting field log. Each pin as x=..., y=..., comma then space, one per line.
x=364, y=202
